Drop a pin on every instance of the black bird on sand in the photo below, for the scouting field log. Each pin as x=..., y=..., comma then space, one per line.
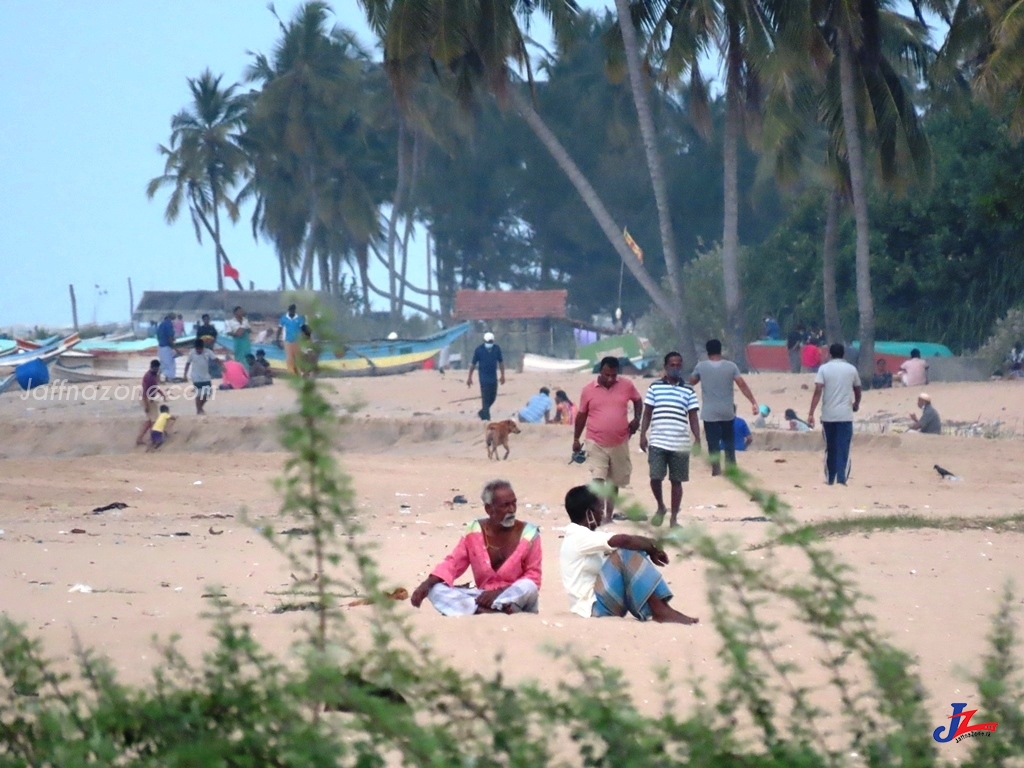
x=944, y=473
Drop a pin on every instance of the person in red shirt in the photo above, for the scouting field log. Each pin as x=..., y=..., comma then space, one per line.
x=150, y=389
x=603, y=412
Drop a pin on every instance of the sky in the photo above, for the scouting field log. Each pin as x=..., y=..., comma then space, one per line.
x=87, y=94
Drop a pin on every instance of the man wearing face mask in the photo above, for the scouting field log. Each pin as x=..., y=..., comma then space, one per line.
x=487, y=357
x=504, y=554
x=612, y=574
x=670, y=412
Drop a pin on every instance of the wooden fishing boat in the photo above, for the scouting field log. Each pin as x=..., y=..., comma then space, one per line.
x=374, y=358
x=8, y=347
x=772, y=356
x=542, y=364
x=111, y=347
x=46, y=353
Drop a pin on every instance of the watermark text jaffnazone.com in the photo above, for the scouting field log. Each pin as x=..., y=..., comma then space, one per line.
x=97, y=392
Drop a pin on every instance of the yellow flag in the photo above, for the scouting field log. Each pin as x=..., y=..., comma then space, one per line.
x=636, y=249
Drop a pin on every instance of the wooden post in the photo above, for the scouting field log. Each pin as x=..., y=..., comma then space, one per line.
x=131, y=303
x=74, y=307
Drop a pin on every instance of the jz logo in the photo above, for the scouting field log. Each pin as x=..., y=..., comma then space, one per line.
x=960, y=726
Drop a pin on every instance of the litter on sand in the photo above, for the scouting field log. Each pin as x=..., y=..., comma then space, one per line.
x=81, y=588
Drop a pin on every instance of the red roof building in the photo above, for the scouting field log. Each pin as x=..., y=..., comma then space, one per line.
x=510, y=305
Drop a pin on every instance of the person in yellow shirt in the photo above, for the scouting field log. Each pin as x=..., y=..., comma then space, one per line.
x=158, y=433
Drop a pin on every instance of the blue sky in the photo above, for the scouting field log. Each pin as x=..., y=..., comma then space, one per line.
x=87, y=94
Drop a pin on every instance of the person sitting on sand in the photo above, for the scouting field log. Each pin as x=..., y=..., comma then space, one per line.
x=795, y=423
x=504, y=554
x=159, y=432
x=930, y=423
x=914, y=372
x=565, y=409
x=538, y=408
x=259, y=371
x=881, y=379
x=150, y=390
x=612, y=574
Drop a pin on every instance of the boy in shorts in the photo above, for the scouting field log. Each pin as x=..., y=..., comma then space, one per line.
x=158, y=433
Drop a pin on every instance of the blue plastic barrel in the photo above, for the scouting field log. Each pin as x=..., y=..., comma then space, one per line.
x=32, y=374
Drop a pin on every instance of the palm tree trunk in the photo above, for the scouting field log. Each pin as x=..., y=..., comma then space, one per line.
x=397, y=202
x=731, y=227
x=665, y=303
x=851, y=127
x=363, y=265
x=645, y=117
x=430, y=296
x=833, y=325
x=216, y=239
x=221, y=253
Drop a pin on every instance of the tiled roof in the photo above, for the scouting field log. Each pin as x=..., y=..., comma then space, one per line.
x=509, y=305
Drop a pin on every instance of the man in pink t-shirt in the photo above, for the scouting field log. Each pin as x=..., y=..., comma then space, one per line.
x=603, y=411
x=914, y=372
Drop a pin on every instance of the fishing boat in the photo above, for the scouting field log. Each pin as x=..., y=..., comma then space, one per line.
x=46, y=353
x=8, y=382
x=542, y=364
x=128, y=347
x=374, y=358
x=771, y=355
x=8, y=347
x=31, y=345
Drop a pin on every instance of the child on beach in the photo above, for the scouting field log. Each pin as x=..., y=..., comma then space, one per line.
x=159, y=432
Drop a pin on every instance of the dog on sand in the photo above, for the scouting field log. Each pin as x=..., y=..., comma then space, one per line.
x=496, y=435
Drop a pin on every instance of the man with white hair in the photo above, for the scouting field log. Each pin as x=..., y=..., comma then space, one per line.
x=929, y=423
x=504, y=555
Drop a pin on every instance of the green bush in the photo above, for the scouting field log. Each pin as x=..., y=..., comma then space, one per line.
x=389, y=700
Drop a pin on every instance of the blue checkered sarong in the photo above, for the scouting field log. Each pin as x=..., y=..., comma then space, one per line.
x=625, y=584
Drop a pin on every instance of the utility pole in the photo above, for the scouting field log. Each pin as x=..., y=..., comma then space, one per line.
x=131, y=303
x=74, y=307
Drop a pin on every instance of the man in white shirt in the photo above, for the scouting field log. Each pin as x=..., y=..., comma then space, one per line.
x=612, y=574
x=839, y=384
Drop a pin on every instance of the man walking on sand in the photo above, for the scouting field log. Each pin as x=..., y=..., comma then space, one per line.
x=165, y=347
x=837, y=385
x=670, y=411
x=716, y=376
x=487, y=357
x=602, y=411
x=291, y=328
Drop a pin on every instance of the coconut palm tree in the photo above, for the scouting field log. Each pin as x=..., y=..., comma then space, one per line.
x=867, y=98
x=482, y=46
x=317, y=177
x=203, y=161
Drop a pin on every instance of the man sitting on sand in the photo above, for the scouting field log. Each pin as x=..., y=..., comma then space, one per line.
x=930, y=423
x=504, y=554
x=612, y=574
x=538, y=408
x=914, y=372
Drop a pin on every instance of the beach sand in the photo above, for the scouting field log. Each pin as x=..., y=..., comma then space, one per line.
x=416, y=442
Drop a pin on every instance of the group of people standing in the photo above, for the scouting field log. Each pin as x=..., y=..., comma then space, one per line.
x=804, y=349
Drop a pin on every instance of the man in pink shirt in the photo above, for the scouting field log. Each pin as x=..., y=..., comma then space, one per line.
x=603, y=411
x=504, y=555
x=914, y=372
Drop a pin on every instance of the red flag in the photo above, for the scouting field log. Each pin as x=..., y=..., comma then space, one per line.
x=230, y=271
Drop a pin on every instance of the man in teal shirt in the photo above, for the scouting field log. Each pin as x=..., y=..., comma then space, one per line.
x=291, y=326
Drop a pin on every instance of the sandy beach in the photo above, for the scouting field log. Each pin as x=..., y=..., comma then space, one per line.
x=412, y=447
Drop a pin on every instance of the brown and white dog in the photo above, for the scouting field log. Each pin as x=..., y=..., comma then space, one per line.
x=496, y=434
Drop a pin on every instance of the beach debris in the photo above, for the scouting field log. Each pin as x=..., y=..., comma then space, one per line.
x=1, y=531
x=84, y=588
x=943, y=473
x=213, y=516
x=755, y=519
x=214, y=532
x=198, y=482
x=405, y=506
x=181, y=533
x=401, y=593
x=108, y=507
x=138, y=489
x=295, y=532
x=780, y=461
x=78, y=530
x=213, y=594
x=460, y=499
